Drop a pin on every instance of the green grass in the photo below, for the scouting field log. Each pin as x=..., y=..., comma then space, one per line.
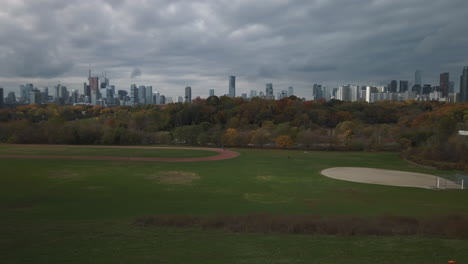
x=90, y=151
x=72, y=211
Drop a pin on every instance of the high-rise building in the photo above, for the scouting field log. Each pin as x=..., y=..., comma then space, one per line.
x=427, y=89
x=418, y=78
x=269, y=89
x=212, y=93
x=283, y=94
x=180, y=99
x=133, y=94
x=25, y=91
x=1, y=97
x=290, y=91
x=253, y=93
x=464, y=85
x=232, y=86
x=451, y=87
x=142, y=94
x=35, y=96
x=149, y=95
x=444, y=84
x=317, y=92
x=11, y=98
x=157, y=98
x=392, y=87
x=188, y=94
x=344, y=93
x=416, y=89
x=403, y=86
x=93, y=83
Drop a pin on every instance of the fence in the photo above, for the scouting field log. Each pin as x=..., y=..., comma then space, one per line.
x=460, y=181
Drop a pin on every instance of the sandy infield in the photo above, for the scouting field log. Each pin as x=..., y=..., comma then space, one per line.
x=388, y=177
x=222, y=154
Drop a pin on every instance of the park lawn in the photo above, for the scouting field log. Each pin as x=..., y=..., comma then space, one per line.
x=90, y=151
x=76, y=211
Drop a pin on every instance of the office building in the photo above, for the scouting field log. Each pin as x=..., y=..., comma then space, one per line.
x=149, y=94
x=269, y=89
x=317, y=92
x=418, y=78
x=212, y=92
x=464, y=85
x=35, y=96
x=392, y=87
x=253, y=93
x=344, y=93
x=290, y=91
x=404, y=85
x=444, y=84
x=1, y=97
x=133, y=95
x=141, y=94
x=188, y=94
x=426, y=89
x=451, y=87
x=232, y=86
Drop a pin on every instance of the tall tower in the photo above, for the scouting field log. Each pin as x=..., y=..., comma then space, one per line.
x=392, y=87
x=188, y=94
x=232, y=86
x=269, y=89
x=444, y=84
x=290, y=91
x=417, y=78
x=1, y=97
x=403, y=86
x=464, y=85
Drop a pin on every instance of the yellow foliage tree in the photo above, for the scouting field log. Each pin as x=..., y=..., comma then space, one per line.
x=231, y=137
x=284, y=141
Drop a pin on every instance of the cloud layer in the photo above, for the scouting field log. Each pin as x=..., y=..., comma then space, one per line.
x=172, y=44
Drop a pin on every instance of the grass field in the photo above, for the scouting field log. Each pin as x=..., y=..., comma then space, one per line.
x=72, y=211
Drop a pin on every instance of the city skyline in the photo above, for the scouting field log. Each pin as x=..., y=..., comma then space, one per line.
x=170, y=45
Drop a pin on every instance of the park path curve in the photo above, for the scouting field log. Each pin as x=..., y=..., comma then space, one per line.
x=222, y=154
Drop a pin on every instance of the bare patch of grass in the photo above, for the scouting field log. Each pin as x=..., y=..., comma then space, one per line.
x=64, y=175
x=267, y=198
x=174, y=177
x=265, y=178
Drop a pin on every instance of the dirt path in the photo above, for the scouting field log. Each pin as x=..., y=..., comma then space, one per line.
x=389, y=177
x=222, y=154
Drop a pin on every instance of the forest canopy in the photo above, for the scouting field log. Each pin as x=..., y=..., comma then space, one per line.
x=425, y=132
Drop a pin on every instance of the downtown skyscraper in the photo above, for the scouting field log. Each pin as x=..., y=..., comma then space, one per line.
x=464, y=85
x=232, y=86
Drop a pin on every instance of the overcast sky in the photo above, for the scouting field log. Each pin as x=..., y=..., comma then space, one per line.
x=171, y=44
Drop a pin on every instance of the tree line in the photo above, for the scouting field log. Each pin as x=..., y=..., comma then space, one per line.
x=425, y=132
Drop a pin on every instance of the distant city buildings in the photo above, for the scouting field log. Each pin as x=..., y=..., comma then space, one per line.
x=100, y=91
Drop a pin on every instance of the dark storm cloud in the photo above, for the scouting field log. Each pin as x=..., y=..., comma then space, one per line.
x=202, y=42
x=135, y=73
